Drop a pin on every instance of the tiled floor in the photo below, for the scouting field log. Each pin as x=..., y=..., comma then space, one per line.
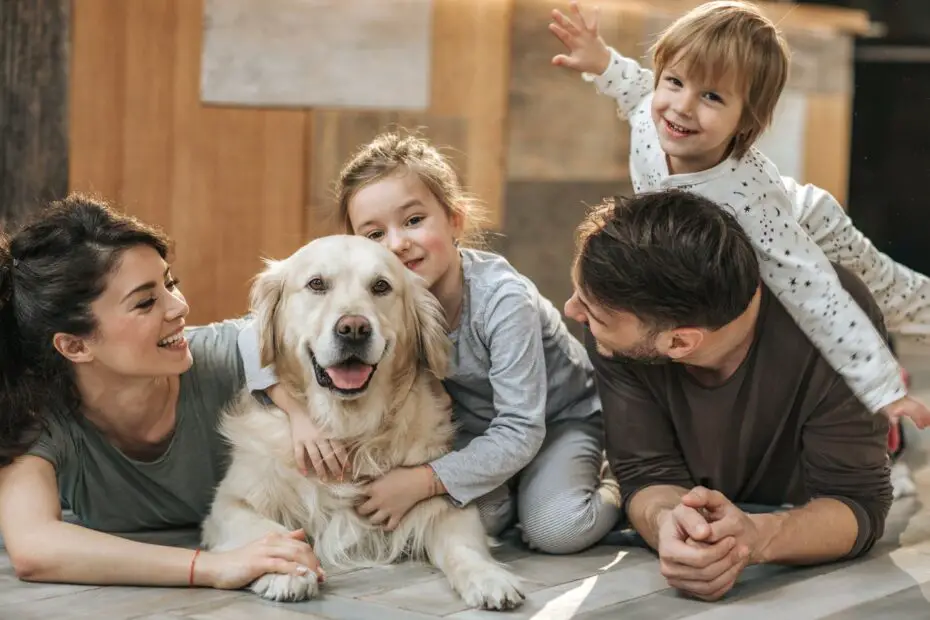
x=893, y=581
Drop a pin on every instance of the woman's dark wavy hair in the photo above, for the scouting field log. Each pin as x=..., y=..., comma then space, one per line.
x=51, y=271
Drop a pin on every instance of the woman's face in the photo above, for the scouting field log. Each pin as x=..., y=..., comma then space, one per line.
x=140, y=319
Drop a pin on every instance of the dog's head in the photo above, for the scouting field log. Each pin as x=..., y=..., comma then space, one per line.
x=350, y=315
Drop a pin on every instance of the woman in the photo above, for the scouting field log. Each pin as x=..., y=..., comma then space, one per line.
x=109, y=405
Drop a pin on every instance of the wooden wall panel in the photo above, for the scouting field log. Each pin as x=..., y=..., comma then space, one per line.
x=96, y=95
x=470, y=79
x=33, y=105
x=827, y=143
x=233, y=184
x=148, y=108
x=467, y=114
x=560, y=129
x=226, y=184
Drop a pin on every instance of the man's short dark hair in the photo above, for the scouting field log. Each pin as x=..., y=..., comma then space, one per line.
x=672, y=258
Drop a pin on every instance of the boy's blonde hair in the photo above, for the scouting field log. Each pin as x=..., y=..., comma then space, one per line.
x=391, y=152
x=724, y=38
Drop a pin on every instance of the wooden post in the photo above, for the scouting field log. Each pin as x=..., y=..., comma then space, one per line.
x=34, y=38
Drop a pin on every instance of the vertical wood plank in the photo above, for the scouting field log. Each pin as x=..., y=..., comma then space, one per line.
x=469, y=79
x=96, y=97
x=827, y=142
x=282, y=214
x=560, y=129
x=148, y=109
x=237, y=195
x=194, y=173
x=33, y=105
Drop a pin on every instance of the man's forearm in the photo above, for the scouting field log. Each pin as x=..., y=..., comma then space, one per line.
x=648, y=505
x=823, y=530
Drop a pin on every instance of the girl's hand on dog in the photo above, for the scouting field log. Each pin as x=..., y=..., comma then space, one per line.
x=391, y=496
x=282, y=553
x=328, y=457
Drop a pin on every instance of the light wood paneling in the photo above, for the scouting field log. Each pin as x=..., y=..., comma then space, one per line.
x=226, y=184
x=560, y=129
x=470, y=80
x=96, y=93
x=233, y=184
x=466, y=118
x=826, y=143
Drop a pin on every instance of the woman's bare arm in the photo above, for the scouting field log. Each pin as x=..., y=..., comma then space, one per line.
x=42, y=547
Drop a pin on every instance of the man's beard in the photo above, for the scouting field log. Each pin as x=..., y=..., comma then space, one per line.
x=642, y=353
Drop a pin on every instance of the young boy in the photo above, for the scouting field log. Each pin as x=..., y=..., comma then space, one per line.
x=719, y=71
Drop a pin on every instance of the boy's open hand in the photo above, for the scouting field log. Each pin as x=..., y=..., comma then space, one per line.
x=908, y=407
x=587, y=51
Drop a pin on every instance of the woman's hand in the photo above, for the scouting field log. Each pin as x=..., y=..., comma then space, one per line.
x=285, y=554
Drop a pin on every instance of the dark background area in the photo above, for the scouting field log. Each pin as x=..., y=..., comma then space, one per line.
x=890, y=154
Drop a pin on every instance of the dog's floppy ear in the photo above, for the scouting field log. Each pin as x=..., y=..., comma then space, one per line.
x=429, y=323
x=265, y=299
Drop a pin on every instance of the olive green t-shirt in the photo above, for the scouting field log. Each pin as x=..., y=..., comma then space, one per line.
x=111, y=492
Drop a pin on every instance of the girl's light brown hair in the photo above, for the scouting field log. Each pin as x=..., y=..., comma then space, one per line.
x=392, y=152
x=729, y=39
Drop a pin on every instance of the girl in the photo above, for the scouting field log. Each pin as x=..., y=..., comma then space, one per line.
x=529, y=446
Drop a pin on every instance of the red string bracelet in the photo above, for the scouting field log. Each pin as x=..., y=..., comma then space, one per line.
x=190, y=578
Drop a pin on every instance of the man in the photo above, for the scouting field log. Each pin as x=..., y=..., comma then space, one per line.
x=714, y=399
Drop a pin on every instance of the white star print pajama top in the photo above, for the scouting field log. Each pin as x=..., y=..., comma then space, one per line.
x=796, y=231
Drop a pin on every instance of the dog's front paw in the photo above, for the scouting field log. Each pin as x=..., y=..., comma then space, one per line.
x=902, y=481
x=275, y=587
x=492, y=587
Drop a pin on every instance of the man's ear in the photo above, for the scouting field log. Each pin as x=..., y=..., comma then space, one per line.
x=681, y=342
x=73, y=348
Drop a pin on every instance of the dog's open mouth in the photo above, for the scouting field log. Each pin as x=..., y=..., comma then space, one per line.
x=350, y=376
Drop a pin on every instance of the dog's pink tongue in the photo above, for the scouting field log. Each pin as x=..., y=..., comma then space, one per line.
x=349, y=376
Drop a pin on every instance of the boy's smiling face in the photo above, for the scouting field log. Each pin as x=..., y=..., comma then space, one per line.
x=696, y=121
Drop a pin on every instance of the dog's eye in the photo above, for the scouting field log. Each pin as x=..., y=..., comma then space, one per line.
x=381, y=287
x=316, y=284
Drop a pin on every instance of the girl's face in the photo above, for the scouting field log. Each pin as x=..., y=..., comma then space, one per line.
x=401, y=213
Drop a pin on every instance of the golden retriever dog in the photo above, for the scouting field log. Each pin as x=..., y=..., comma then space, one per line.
x=359, y=339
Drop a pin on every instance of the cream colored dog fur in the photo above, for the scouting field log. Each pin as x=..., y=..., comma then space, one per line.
x=347, y=298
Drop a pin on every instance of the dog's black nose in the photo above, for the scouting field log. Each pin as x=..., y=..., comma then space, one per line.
x=353, y=328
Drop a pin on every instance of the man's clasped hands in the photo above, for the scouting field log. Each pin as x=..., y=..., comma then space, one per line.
x=705, y=542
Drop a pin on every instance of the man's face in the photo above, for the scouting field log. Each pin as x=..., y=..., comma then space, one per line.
x=619, y=335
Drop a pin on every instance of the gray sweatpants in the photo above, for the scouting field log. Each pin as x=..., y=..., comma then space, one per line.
x=559, y=499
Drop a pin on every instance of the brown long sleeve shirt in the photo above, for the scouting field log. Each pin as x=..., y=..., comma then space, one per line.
x=784, y=429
